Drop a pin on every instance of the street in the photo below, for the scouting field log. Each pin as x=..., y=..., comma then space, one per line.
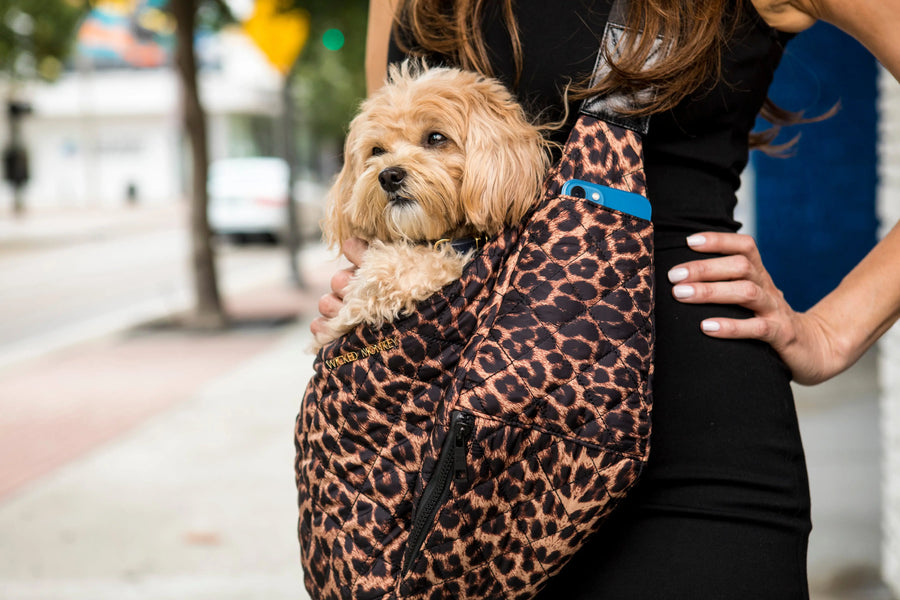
x=82, y=284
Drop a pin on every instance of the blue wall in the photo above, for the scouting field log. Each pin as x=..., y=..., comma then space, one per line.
x=816, y=210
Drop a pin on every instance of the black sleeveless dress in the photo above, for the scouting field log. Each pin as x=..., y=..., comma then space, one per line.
x=722, y=509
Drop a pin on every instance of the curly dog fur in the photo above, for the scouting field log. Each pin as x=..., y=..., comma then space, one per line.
x=436, y=154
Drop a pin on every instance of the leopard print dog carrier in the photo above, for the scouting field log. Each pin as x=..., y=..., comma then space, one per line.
x=468, y=450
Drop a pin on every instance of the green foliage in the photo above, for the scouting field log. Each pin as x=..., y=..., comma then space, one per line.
x=36, y=36
x=329, y=84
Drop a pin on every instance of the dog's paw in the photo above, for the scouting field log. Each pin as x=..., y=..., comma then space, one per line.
x=330, y=330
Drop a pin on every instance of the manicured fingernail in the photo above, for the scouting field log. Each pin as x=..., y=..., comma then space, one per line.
x=696, y=240
x=683, y=291
x=678, y=274
x=710, y=326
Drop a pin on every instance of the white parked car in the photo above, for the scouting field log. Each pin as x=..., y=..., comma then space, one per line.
x=248, y=197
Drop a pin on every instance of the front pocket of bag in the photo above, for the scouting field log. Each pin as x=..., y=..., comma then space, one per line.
x=451, y=468
x=528, y=501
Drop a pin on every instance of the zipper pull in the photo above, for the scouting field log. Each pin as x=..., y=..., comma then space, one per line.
x=462, y=430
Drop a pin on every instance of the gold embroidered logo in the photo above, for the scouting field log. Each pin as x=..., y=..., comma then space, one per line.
x=355, y=355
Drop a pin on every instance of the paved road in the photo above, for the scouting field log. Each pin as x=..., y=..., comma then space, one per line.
x=65, y=282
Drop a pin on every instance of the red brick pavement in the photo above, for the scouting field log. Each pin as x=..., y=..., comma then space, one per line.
x=59, y=407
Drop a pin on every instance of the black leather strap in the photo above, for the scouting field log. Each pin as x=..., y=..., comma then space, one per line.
x=471, y=243
x=610, y=108
x=618, y=13
x=461, y=245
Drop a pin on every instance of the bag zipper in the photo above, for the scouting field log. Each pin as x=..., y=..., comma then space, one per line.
x=451, y=467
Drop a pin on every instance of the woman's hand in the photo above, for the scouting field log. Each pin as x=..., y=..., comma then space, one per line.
x=803, y=340
x=330, y=304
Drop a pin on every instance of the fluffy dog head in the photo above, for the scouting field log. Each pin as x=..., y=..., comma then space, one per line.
x=435, y=153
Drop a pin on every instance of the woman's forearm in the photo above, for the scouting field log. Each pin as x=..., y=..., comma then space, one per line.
x=866, y=303
x=874, y=23
x=378, y=34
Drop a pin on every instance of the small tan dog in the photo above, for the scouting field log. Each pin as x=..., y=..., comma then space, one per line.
x=435, y=156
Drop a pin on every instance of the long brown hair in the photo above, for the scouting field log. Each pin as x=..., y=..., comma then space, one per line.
x=695, y=31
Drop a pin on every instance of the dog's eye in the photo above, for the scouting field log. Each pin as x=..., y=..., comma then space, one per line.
x=378, y=151
x=435, y=138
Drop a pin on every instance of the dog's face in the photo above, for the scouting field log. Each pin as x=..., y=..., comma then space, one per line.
x=432, y=154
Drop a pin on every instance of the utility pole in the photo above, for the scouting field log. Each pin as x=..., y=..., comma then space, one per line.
x=280, y=30
x=294, y=240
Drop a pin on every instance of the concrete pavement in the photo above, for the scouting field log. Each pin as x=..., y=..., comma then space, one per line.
x=157, y=464
x=839, y=422
x=195, y=501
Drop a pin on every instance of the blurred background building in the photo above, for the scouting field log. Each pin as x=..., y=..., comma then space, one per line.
x=108, y=131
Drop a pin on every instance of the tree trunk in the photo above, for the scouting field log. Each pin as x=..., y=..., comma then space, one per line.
x=208, y=312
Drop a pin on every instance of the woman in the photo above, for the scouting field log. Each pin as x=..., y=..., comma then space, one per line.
x=722, y=510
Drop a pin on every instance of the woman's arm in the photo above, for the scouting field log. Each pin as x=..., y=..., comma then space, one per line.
x=834, y=333
x=378, y=34
x=330, y=304
x=874, y=23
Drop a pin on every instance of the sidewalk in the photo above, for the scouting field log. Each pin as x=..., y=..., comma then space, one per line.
x=196, y=501
x=839, y=422
x=157, y=464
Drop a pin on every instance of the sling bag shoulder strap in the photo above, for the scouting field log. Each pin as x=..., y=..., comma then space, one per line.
x=613, y=107
x=605, y=145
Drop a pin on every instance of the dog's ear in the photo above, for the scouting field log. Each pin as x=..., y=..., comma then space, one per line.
x=506, y=160
x=336, y=223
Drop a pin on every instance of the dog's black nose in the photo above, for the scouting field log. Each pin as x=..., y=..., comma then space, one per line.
x=391, y=178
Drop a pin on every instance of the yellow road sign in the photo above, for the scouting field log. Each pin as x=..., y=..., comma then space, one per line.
x=279, y=33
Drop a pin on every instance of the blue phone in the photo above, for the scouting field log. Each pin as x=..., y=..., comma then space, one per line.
x=626, y=202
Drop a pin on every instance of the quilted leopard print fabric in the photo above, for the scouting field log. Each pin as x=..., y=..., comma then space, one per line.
x=467, y=451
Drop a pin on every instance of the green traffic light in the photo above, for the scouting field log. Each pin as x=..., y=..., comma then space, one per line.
x=333, y=39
